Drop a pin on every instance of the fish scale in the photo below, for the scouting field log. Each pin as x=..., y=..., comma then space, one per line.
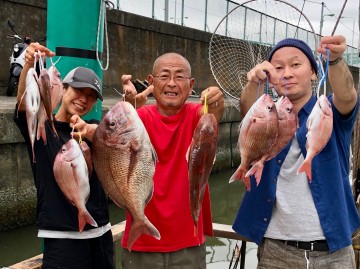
x=258, y=132
x=124, y=160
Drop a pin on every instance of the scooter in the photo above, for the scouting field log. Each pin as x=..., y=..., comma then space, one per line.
x=17, y=59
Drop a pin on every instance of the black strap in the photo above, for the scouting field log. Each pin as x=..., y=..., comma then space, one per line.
x=310, y=246
x=79, y=53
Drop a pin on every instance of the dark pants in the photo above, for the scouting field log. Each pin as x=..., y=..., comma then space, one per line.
x=94, y=253
x=187, y=258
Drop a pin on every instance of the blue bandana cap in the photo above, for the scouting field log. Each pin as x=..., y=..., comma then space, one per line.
x=299, y=44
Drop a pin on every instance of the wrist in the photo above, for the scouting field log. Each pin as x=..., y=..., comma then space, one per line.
x=336, y=61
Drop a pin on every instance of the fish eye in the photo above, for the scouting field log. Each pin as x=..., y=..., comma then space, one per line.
x=288, y=109
x=269, y=107
x=63, y=150
x=112, y=123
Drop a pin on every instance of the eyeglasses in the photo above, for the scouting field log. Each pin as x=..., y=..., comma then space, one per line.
x=167, y=78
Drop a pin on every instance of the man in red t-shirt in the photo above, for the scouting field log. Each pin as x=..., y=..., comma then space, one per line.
x=171, y=123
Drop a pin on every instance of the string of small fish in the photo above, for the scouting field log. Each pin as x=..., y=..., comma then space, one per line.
x=73, y=165
x=261, y=137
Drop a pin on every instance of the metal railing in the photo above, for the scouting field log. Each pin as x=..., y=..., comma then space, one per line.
x=220, y=230
x=205, y=15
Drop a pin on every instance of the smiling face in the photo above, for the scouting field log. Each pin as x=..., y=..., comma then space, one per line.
x=76, y=101
x=172, y=82
x=293, y=73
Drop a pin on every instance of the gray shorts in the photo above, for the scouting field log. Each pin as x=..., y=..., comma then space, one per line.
x=192, y=258
x=273, y=254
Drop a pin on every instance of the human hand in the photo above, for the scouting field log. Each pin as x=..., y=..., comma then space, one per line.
x=131, y=95
x=214, y=100
x=260, y=72
x=36, y=48
x=84, y=130
x=335, y=44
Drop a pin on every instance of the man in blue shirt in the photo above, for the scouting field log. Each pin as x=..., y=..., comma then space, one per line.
x=297, y=223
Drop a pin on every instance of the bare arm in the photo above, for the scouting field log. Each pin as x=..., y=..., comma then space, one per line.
x=340, y=78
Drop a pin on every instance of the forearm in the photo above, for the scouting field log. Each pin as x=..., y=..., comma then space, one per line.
x=248, y=97
x=22, y=86
x=342, y=83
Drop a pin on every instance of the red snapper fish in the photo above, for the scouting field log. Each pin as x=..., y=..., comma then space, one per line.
x=56, y=87
x=258, y=131
x=320, y=126
x=201, y=156
x=45, y=86
x=71, y=174
x=288, y=123
x=55, y=94
x=124, y=159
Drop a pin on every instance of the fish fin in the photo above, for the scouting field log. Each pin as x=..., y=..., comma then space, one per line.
x=139, y=228
x=306, y=167
x=187, y=153
x=41, y=133
x=256, y=170
x=238, y=175
x=246, y=181
x=53, y=128
x=85, y=217
x=154, y=155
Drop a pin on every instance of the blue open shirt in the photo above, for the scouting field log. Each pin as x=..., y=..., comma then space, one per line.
x=330, y=185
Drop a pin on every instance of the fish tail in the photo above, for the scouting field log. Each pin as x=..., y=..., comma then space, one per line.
x=256, y=170
x=238, y=175
x=85, y=217
x=246, y=181
x=139, y=228
x=54, y=130
x=41, y=133
x=306, y=167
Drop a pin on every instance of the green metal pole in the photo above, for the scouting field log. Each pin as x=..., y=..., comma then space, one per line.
x=72, y=33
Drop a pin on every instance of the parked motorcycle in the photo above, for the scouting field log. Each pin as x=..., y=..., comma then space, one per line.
x=17, y=59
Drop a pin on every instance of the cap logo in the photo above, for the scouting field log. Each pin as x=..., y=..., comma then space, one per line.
x=97, y=83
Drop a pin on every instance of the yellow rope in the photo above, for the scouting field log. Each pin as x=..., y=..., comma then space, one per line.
x=80, y=139
x=205, y=105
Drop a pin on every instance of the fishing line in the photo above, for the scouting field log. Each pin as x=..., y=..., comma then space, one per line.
x=205, y=104
x=52, y=63
x=323, y=73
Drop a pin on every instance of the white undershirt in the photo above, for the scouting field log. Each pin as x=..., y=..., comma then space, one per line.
x=294, y=214
x=91, y=233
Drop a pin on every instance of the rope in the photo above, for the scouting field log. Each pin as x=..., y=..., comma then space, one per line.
x=104, y=23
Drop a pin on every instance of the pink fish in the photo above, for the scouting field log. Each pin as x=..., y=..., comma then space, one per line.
x=258, y=131
x=288, y=123
x=124, y=159
x=56, y=86
x=56, y=92
x=320, y=126
x=71, y=174
x=44, y=87
x=201, y=156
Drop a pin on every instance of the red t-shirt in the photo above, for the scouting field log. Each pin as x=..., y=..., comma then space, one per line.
x=169, y=208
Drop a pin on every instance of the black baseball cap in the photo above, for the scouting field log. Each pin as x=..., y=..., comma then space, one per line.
x=82, y=77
